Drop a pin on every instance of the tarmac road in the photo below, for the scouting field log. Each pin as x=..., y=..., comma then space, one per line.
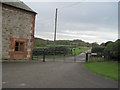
x=53, y=75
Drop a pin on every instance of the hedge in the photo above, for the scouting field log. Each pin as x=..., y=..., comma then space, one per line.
x=58, y=50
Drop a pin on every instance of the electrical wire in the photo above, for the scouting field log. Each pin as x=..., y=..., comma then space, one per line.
x=71, y=5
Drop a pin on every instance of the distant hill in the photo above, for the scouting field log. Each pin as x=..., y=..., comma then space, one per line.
x=35, y=38
x=77, y=42
x=39, y=42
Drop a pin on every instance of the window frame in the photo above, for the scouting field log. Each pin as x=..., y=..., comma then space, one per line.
x=19, y=46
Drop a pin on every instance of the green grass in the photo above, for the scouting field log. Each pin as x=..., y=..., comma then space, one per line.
x=41, y=47
x=60, y=45
x=65, y=45
x=106, y=69
x=78, y=51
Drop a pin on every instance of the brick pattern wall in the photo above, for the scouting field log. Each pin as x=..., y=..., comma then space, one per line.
x=17, y=24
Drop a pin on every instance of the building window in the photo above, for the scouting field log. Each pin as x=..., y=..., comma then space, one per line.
x=19, y=46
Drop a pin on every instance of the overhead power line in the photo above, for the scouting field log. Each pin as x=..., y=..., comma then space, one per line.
x=67, y=6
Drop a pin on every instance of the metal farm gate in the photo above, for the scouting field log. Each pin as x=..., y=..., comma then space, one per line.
x=58, y=56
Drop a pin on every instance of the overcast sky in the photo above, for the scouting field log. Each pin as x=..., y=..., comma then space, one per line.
x=88, y=21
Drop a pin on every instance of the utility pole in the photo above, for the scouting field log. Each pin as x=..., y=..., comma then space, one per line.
x=55, y=31
x=55, y=26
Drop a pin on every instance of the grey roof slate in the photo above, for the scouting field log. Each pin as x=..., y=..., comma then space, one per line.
x=20, y=5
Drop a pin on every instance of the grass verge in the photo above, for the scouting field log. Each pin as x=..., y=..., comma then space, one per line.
x=106, y=69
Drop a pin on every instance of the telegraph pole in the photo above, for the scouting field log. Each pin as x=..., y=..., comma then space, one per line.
x=55, y=31
x=55, y=26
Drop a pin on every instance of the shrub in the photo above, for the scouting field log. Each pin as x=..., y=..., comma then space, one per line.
x=96, y=59
x=58, y=50
x=99, y=50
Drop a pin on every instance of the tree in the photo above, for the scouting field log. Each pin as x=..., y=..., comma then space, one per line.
x=102, y=44
x=99, y=50
x=112, y=50
x=94, y=44
x=108, y=43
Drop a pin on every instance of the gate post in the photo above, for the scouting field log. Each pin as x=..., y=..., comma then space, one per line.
x=86, y=57
x=74, y=58
x=37, y=54
x=44, y=56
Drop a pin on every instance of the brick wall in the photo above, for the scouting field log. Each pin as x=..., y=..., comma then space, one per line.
x=17, y=24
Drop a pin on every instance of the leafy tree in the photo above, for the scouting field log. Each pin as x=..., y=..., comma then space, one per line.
x=112, y=50
x=108, y=43
x=95, y=44
x=99, y=50
x=102, y=44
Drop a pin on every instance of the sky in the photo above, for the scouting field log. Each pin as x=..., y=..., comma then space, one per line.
x=87, y=21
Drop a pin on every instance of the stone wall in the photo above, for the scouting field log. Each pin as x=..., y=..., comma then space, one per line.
x=0, y=31
x=17, y=24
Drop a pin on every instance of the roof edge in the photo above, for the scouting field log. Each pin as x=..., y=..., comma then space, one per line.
x=18, y=7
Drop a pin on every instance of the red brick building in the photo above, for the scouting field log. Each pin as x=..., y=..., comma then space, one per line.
x=18, y=22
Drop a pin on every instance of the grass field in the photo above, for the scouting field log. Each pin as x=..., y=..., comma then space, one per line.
x=65, y=45
x=42, y=47
x=78, y=51
x=106, y=69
